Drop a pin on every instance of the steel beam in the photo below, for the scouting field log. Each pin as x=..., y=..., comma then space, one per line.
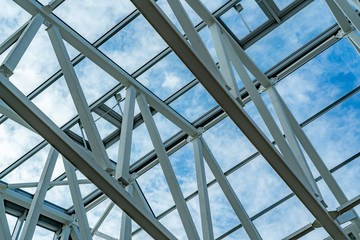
x=123, y=158
x=167, y=169
x=205, y=213
x=4, y=226
x=13, y=58
x=229, y=193
x=77, y=201
x=125, y=230
x=79, y=158
x=39, y=196
x=78, y=42
x=157, y=19
x=79, y=100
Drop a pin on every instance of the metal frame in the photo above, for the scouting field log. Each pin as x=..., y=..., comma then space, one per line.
x=89, y=155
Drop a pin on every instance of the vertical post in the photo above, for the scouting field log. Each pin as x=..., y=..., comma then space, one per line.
x=204, y=204
x=79, y=99
x=229, y=193
x=122, y=167
x=167, y=169
x=13, y=58
x=77, y=201
x=4, y=226
x=39, y=196
x=125, y=230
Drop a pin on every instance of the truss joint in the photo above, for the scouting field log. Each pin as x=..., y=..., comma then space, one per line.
x=200, y=131
x=341, y=34
x=272, y=81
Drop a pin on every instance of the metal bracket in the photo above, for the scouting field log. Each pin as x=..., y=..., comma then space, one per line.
x=5, y=71
x=272, y=81
x=200, y=131
x=341, y=34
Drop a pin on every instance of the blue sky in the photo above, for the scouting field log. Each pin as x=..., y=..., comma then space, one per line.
x=315, y=85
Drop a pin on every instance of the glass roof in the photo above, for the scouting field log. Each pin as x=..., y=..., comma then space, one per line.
x=296, y=45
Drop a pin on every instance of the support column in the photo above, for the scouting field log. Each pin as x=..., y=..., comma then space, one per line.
x=65, y=233
x=125, y=230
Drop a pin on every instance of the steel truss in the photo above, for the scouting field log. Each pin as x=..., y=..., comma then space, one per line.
x=116, y=179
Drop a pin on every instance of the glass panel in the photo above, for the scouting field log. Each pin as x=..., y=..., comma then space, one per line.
x=291, y=35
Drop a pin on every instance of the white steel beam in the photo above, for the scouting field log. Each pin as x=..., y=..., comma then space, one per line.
x=39, y=196
x=13, y=58
x=13, y=38
x=224, y=62
x=229, y=193
x=123, y=159
x=125, y=230
x=79, y=43
x=156, y=18
x=80, y=159
x=140, y=197
x=193, y=36
x=209, y=19
x=265, y=114
x=349, y=12
x=290, y=136
x=167, y=169
x=347, y=29
x=77, y=201
x=65, y=233
x=316, y=159
x=6, y=111
x=75, y=233
x=4, y=226
x=314, y=156
x=79, y=99
x=51, y=184
x=206, y=223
